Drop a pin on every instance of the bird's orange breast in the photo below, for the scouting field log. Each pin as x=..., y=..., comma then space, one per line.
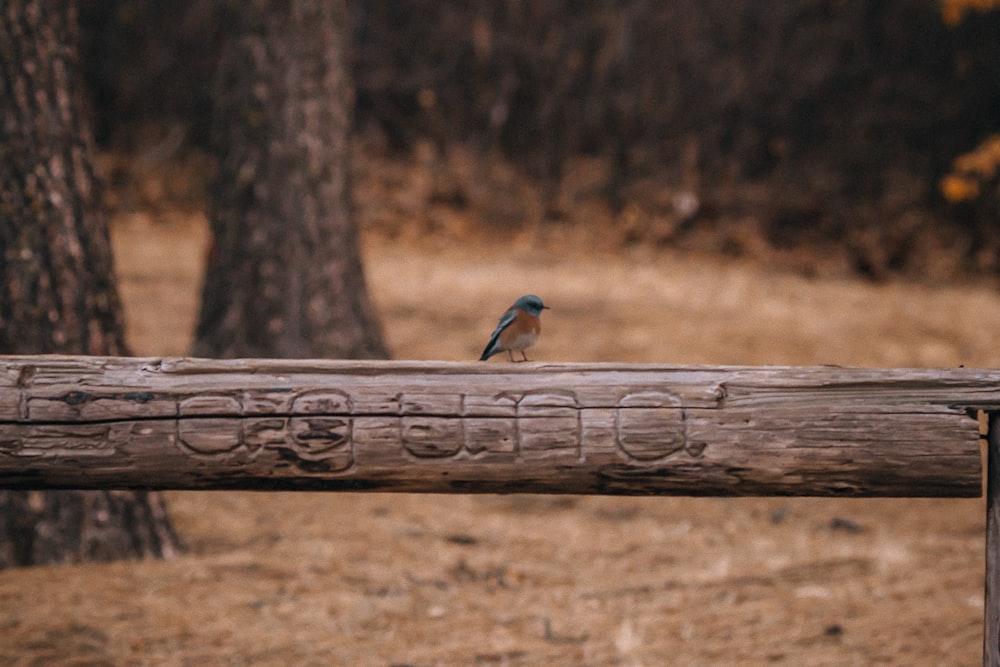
x=521, y=333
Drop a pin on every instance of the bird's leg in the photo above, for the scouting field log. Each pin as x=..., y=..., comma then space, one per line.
x=510, y=355
x=524, y=357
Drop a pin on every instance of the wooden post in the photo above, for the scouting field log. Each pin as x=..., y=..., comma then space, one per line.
x=991, y=616
x=435, y=427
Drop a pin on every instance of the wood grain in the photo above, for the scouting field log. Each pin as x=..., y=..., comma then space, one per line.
x=181, y=423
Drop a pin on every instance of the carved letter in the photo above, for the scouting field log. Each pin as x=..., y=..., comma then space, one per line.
x=548, y=424
x=650, y=425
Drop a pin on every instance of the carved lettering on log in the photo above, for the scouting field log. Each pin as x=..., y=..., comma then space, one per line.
x=316, y=434
x=210, y=436
x=426, y=435
x=324, y=434
x=316, y=427
x=520, y=425
x=548, y=425
x=650, y=425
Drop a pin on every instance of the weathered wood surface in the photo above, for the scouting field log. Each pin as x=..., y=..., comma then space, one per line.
x=97, y=422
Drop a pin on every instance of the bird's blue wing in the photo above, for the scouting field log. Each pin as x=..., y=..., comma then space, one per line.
x=493, y=347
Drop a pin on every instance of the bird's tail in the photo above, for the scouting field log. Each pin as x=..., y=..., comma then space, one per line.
x=492, y=347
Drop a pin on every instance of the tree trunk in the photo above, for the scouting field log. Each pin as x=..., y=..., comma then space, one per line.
x=57, y=291
x=284, y=276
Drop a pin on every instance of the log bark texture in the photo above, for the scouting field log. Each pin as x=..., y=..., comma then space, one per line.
x=456, y=427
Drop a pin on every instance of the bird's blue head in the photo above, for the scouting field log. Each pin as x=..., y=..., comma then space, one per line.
x=531, y=304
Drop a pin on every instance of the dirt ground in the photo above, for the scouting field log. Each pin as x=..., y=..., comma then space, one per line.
x=378, y=579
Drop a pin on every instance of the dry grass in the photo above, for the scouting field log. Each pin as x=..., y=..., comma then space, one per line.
x=314, y=579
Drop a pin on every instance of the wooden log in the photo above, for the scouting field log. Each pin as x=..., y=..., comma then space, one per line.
x=97, y=422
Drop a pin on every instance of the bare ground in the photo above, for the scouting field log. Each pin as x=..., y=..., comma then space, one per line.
x=377, y=579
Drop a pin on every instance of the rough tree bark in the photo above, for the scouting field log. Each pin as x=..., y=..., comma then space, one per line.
x=284, y=277
x=57, y=290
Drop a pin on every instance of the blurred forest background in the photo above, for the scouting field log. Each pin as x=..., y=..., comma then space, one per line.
x=840, y=137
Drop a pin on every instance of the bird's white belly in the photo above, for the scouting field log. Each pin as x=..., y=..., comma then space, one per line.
x=522, y=341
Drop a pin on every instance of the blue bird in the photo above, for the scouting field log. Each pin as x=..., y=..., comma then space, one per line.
x=518, y=328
